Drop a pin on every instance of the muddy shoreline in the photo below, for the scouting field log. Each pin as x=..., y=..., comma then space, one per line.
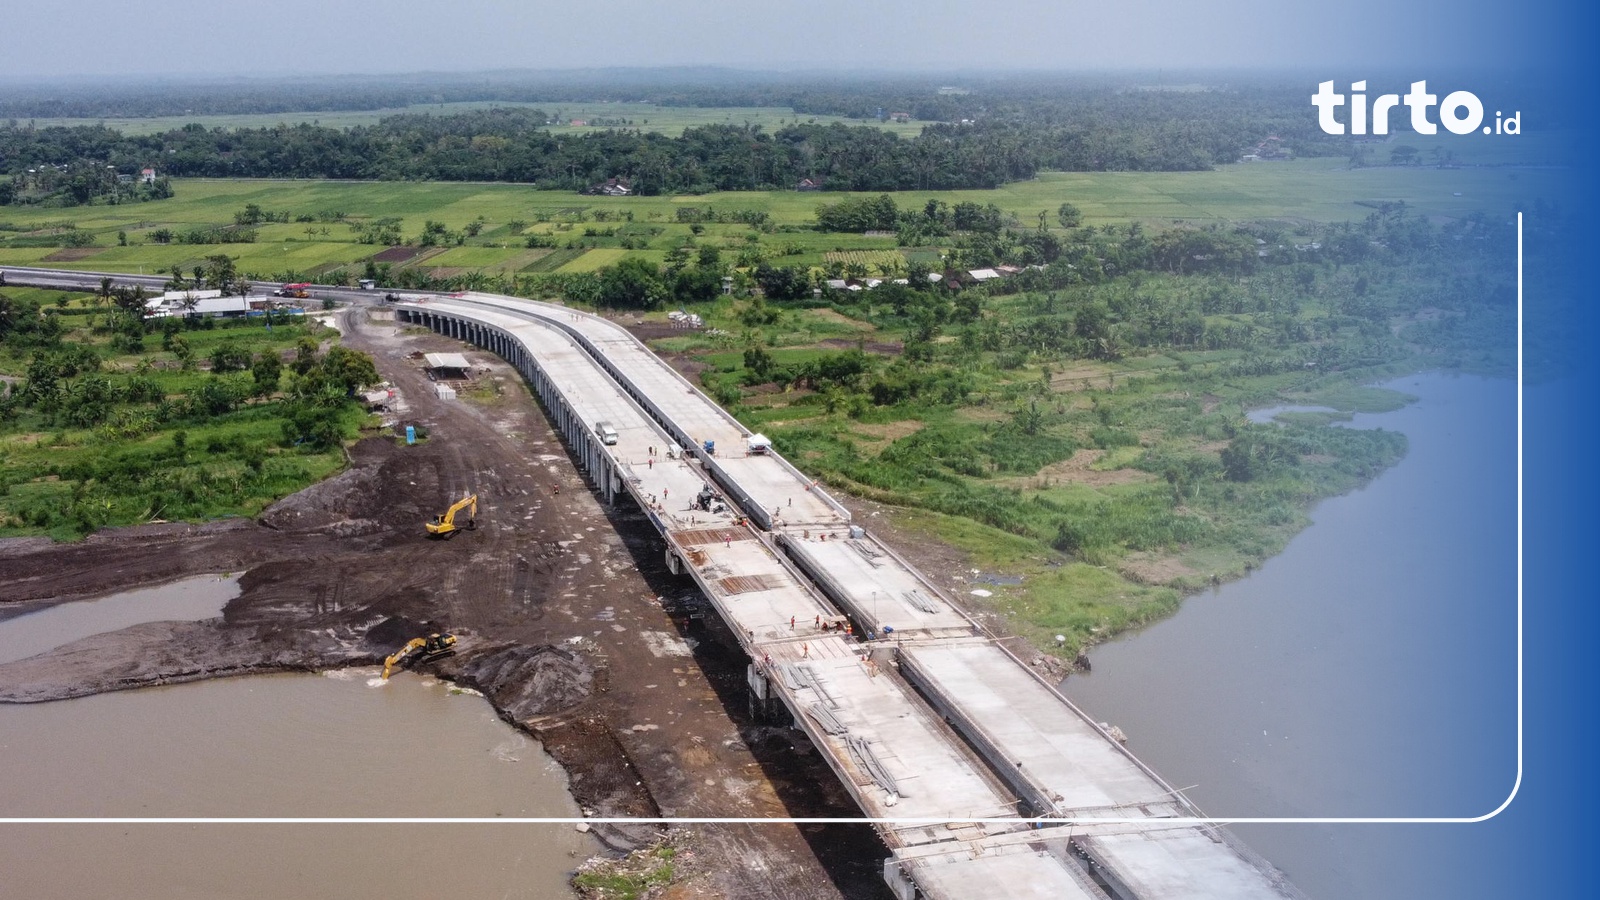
x=554, y=599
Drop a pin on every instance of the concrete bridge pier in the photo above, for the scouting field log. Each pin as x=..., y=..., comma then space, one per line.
x=765, y=706
x=894, y=876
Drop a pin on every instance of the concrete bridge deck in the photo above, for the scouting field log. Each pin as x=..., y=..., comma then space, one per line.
x=1151, y=862
x=939, y=724
x=872, y=586
x=1063, y=765
x=763, y=483
x=884, y=742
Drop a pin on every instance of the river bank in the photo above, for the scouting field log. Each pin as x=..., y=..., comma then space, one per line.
x=1370, y=670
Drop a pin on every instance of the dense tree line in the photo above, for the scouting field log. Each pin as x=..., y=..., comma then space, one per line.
x=82, y=181
x=1223, y=109
x=513, y=145
x=999, y=131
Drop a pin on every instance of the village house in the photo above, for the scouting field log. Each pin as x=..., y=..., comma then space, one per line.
x=1271, y=149
x=612, y=187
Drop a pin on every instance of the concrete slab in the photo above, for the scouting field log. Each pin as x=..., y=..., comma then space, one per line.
x=794, y=502
x=756, y=616
x=929, y=773
x=1180, y=864
x=873, y=586
x=1045, y=740
x=446, y=361
x=1025, y=872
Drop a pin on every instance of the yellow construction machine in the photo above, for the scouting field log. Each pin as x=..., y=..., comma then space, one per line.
x=445, y=525
x=420, y=650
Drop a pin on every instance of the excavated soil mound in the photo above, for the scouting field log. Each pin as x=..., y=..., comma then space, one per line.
x=527, y=682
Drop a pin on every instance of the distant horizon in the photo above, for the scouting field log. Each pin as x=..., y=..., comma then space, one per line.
x=179, y=38
x=692, y=73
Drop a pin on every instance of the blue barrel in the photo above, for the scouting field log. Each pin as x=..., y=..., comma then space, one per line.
x=411, y=434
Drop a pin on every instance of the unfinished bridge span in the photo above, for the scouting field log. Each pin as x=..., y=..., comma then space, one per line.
x=981, y=778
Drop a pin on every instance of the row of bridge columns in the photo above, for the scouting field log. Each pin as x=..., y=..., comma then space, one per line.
x=579, y=435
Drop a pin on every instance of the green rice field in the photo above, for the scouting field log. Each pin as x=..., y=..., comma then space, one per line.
x=1309, y=190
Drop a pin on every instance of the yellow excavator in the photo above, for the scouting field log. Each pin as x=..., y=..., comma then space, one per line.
x=420, y=650
x=445, y=525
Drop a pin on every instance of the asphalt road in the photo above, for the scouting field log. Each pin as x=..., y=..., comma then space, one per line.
x=26, y=276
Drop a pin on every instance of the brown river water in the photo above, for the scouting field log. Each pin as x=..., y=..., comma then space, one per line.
x=337, y=745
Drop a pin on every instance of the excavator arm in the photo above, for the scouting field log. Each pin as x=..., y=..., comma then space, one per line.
x=399, y=656
x=434, y=646
x=446, y=524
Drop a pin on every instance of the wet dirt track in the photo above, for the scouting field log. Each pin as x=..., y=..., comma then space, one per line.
x=554, y=600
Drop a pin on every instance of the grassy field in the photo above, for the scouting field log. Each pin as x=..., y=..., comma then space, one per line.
x=1536, y=147
x=1300, y=190
x=593, y=260
x=668, y=120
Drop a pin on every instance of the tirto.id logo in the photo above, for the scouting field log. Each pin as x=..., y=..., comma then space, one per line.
x=1460, y=113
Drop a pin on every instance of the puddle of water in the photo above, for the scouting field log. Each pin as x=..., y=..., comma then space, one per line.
x=188, y=600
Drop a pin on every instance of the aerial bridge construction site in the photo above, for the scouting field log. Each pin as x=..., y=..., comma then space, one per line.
x=977, y=773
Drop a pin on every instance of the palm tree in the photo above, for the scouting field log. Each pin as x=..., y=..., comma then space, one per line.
x=130, y=299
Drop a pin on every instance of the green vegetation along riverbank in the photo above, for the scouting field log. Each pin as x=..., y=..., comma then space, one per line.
x=1081, y=428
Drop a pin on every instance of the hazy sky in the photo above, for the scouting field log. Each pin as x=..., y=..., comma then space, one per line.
x=273, y=38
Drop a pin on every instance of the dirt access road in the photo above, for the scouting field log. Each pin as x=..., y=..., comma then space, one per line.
x=554, y=599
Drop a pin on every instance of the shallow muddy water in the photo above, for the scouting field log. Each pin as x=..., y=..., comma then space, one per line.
x=190, y=599
x=342, y=744
x=1368, y=670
